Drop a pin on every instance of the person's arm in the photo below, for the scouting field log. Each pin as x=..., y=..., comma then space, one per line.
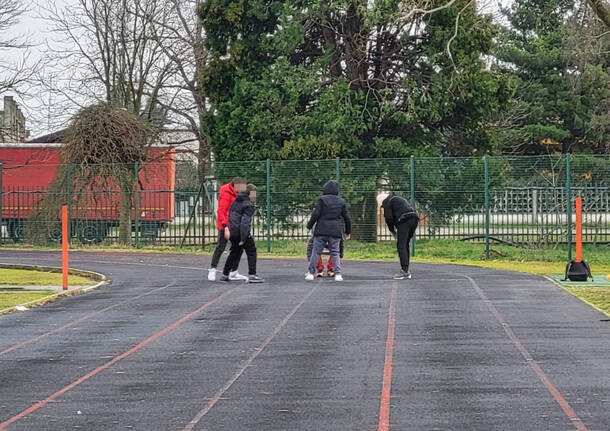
x=224, y=204
x=348, y=221
x=309, y=247
x=246, y=224
x=315, y=215
x=389, y=216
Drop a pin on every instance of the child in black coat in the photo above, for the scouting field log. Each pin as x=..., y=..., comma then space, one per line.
x=240, y=225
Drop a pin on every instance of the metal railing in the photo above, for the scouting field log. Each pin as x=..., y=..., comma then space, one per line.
x=517, y=200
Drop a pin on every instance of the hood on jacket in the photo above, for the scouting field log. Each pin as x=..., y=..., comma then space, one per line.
x=386, y=201
x=228, y=188
x=242, y=196
x=331, y=188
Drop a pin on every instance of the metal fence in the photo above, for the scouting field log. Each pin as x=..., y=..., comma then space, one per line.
x=516, y=200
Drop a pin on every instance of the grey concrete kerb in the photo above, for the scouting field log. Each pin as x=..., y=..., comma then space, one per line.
x=100, y=279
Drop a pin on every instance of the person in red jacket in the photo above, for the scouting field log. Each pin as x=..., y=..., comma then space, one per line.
x=225, y=199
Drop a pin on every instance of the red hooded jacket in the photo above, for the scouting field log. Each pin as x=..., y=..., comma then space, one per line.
x=225, y=199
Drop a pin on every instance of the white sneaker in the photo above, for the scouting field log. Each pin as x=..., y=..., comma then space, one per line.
x=212, y=274
x=234, y=276
x=338, y=277
x=309, y=276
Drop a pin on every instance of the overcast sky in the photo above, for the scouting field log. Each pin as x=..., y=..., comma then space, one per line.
x=36, y=27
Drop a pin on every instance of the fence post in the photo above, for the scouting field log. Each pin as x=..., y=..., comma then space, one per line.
x=412, y=189
x=69, y=200
x=338, y=168
x=486, y=163
x=136, y=199
x=268, y=205
x=1, y=198
x=64, y=246
x=569, y=203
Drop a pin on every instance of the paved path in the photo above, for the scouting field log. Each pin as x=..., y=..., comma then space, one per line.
x=456, y=348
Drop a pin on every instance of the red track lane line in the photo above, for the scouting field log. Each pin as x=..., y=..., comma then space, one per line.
x=384, y=407
x=80, y=319
x=210, y=404
x=565, y=406
x=113, y=361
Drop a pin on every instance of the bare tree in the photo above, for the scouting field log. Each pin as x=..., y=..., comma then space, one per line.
x=105, y=51
x=181, y=37
x=12, y=74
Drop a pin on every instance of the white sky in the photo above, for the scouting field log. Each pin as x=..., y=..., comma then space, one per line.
x=36, y=27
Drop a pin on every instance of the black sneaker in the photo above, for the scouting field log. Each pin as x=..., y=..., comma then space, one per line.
x=224, y=278
x=255, y=279
x=320, y=274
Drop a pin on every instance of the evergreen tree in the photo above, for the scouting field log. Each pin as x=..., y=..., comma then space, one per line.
x=562, y=95
x=349, y=78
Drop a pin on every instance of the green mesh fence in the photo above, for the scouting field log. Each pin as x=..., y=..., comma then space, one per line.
x=525, y=201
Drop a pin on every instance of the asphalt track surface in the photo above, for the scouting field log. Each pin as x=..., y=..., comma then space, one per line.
x=161, y=348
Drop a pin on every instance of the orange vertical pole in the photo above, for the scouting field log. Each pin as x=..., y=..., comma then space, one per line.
x=578, y=202
x=64, y=246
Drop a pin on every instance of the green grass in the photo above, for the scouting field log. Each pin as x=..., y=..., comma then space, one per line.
x=24, y=277
x=538, y=260
x=10, y=299
x=597, y=296
x=535, y=261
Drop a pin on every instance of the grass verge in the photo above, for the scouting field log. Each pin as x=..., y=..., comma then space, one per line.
x=24, y=277
x=596, y=296
x=11, y=299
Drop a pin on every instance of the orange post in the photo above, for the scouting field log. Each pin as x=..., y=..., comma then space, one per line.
x=64, y=246
x=578, y=202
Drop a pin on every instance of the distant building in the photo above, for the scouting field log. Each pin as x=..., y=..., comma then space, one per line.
x=12, y=122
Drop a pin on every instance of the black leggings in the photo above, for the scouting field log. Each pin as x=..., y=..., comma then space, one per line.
x=220, y=248
x=406, y=230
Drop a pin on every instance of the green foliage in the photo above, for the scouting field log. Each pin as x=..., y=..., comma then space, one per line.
x=553, y=51
x=350, y=79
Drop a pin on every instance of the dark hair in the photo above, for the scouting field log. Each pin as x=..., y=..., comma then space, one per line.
x=251, y=188
x=238, y=180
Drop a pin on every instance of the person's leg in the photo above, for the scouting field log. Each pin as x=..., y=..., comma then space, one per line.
x=250, y=249
x=316, y=252
x=402, y=244
x=233, y=258
x=411, y=224
x=329, y=265
x=237, y=259
x=221, y=245
x=320, y=266
x=333, y=247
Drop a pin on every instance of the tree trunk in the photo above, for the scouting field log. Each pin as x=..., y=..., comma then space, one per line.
x=364, y=218
x=602, y=10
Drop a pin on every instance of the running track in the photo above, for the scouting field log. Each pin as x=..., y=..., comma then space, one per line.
x=456, y=348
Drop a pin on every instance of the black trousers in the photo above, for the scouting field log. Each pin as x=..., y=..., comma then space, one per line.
x=220, y=248
x=406, y=230
x=232, y=262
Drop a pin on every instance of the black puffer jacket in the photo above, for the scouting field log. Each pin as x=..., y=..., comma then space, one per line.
x=329, y=211
x=396, y=210
x=240, y=216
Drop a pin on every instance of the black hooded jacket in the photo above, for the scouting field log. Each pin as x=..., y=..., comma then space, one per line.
x=329, y=211
x=240, y=216
x=396, y=210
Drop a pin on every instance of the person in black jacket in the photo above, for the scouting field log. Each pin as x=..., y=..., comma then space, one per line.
x=240, y=223
x=328, y=216
x=402, y=220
